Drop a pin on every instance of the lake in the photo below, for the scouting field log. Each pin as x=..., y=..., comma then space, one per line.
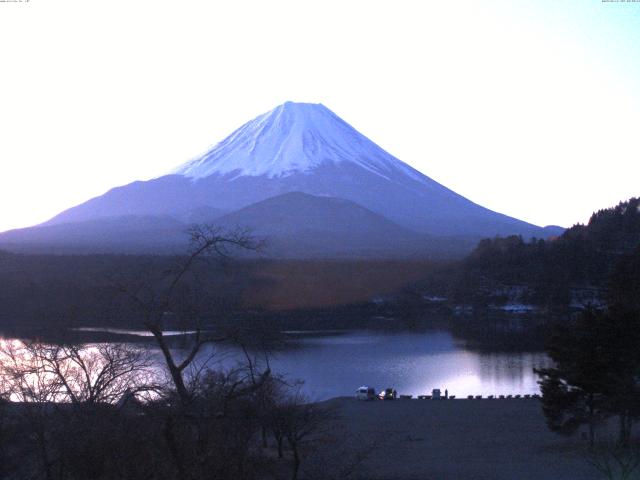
x=335, y=364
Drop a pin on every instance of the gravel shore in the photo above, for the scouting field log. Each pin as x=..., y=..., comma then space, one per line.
x=461, y=439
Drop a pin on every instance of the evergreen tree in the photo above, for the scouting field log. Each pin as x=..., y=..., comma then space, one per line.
x=597, y=361
x=574, y=391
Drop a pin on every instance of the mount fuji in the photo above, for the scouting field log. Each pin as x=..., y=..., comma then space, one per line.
x=297, y=148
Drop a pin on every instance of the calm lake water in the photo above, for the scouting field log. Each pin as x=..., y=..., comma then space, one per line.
x=413, y=363
x=336, y=363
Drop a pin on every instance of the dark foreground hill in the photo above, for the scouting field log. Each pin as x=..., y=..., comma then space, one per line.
x=293, y=225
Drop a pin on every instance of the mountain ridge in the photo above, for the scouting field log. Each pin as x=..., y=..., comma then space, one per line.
x=300, y=147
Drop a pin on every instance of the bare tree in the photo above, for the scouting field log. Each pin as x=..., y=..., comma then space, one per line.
x=320, y=445
x=211, y=426
x=43, y=378
x=204, y=425
x=102, y=373
x=174, y=296
x=35, y=372
x=301, y=423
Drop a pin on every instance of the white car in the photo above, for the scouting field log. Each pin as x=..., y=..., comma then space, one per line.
x=365, y=393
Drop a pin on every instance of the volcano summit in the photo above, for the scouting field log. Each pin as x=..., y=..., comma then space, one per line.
x=295, y=148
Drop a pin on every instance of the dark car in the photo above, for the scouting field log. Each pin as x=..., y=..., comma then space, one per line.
x=388, y=394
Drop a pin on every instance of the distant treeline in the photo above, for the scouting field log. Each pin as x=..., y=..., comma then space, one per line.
x=87, y=290
x=584, y=256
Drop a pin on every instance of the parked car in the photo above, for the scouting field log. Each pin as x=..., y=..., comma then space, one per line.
x=365, y=393
x=388, y=394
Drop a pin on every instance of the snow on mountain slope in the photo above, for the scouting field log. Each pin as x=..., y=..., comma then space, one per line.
x=302, y=147
x=292, y=138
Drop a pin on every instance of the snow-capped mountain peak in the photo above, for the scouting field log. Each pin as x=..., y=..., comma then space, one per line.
x=292, y=138
x=304, y=148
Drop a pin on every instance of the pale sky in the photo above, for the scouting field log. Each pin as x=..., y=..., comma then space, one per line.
x=530, y=108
